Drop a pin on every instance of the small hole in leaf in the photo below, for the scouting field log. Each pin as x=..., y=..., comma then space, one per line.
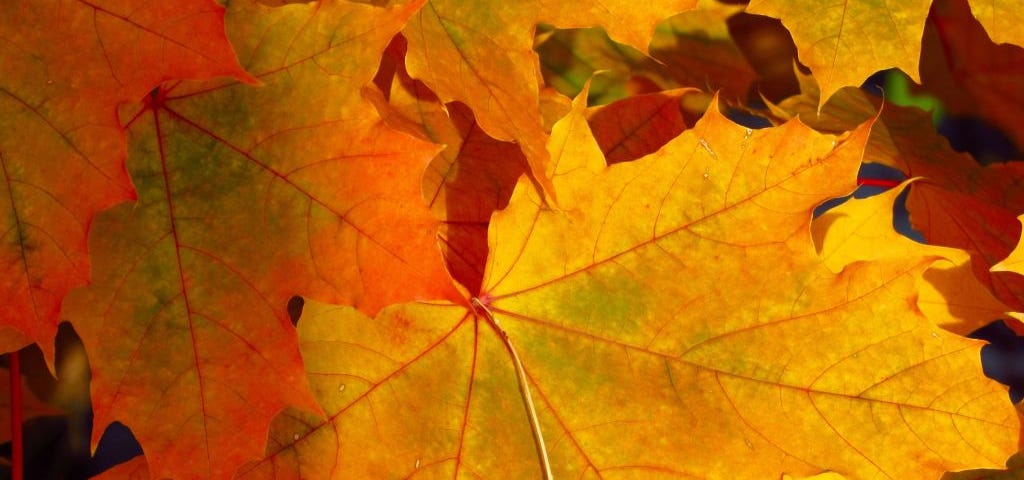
x=295, y=305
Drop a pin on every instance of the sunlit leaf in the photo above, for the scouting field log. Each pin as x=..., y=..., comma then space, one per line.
x=640, y=349
x=862, y=229
x=833, y=37
x=65, y=67
x=248, y=196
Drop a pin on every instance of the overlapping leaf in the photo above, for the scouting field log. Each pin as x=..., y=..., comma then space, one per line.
x=956, y=204
x=66, y=66
x=248, y=196
x=1014, y=262
x=692, y=49
x=467, y=181
x=1002, y=20
x=862, y=229
x=969, y=73
x=482, y=56
x=634, y=127
x=31, y=408
x=845, y=42
x=648, y=271
x=625, y=21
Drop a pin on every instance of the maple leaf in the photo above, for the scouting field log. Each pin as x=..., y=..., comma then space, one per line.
x=1014, y=466
x=904, y=138
x=66, y=67
x=248, y=196
x=624, y=21
x=831, y=37
x=862, y=229
x=1014, y=262
x=467, y=181
x=1014, y=471
x=969, y=73
x=691, y=49
x=698, y=50
x=958, y=204
x=820, y=476
x=483, y=57
x=636, y=126
x=648, y=271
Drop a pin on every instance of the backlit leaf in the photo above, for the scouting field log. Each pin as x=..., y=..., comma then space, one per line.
x=466, y=182
x=845, y=42
x=65, y=67
x=644, y=356
x=248, y=196
x=691, y=49
x=862, y=229
x=1014, y=262
x=957, y=203
x=625, y=21
x=1002, y=20
x=134, y=469
x=482, y=56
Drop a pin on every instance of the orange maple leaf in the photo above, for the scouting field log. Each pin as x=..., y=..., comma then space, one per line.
x=247, y=196
x=66, y=67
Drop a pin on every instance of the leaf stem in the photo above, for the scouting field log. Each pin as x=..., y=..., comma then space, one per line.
x=17, y=414
x=524, y=390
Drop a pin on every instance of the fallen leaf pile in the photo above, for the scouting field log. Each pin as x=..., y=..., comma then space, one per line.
x=534, y=240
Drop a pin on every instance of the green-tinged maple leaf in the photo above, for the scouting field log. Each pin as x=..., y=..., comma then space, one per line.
x=862, y=229
x=247, y=196
x=845, y=42
x=969, y=73
x=904, y=138
x=570, y=57
x=692, y=49
x=671, y=318
x=65, y=67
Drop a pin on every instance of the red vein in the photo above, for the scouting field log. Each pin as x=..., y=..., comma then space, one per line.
x=561, y=423
x=654, y=238
x=181, y=278
x=469, y=399
x=878, y=182
x=341, y=216
x=401, y=368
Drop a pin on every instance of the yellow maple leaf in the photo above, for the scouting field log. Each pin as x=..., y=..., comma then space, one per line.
x=671, y=317
x=845, y=42
x=862, y=229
